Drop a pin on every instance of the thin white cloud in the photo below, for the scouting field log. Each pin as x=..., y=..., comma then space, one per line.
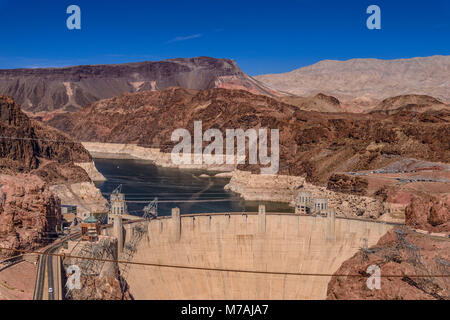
x=192, y=36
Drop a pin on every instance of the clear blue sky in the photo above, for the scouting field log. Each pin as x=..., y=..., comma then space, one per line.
x=261, y=36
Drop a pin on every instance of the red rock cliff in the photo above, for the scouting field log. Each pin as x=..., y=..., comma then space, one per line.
x=28, y=212
x=29, y=146
x=32, y=157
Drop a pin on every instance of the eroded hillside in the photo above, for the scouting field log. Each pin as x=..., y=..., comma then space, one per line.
x=312, y=144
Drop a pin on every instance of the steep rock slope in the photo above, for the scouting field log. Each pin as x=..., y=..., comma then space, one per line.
x=30, y=146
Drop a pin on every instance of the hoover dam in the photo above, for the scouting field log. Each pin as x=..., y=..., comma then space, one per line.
x=255, y=255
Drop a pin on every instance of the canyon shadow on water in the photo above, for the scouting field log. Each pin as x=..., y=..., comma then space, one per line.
x=142, y=182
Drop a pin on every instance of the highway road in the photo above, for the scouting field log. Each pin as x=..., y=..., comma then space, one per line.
x=48, y=269
x=52, y=276
x=40, y=277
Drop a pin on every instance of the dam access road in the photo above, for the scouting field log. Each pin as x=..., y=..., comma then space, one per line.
x=49, y=268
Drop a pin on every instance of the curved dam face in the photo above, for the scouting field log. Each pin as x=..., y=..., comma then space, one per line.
x=250, y=242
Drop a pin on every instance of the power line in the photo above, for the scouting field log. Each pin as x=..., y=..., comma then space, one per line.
x=223, y=269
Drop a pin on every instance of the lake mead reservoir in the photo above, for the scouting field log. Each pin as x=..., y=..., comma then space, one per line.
x=142, y=182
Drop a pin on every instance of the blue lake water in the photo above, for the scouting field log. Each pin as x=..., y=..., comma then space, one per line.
x=142, y=182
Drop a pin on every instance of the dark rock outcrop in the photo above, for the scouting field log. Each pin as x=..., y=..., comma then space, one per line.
x=410, y=102
x=320, y=103
x=430, y=213
x=329, y=99
x=403, y=100
x=347, y=184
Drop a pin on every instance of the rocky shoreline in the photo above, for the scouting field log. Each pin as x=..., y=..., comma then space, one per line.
x=284, y=188
x=134, y=152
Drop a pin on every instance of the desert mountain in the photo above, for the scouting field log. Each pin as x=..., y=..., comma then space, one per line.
x=72, y=88
x=311, y=143
x=367, y=80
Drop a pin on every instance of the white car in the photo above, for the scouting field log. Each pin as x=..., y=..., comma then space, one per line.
x=50, y=290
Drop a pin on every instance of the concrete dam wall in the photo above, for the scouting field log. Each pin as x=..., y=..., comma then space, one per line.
x=251, y=242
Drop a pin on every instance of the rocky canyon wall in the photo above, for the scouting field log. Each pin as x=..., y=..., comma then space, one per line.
x=29, y=211
x=39, y=167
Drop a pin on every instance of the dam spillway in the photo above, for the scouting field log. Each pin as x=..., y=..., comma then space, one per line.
x=272, y=242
